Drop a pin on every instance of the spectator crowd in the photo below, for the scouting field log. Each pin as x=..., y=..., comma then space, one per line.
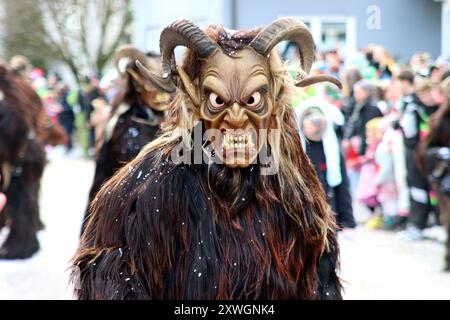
x=381, y=145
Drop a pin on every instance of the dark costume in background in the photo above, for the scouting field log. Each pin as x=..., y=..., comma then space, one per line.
x=414, y=125
x=434, y=160
x=135, y=120
x=24, y=130
x=165, y=229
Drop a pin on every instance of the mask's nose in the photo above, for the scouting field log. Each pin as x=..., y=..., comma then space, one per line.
x=236, y=116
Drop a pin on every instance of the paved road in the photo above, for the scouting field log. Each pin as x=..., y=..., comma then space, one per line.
x=375, y=265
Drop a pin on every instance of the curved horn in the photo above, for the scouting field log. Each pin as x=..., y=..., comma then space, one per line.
x=161, y=83
x=286, y=29
x=316, y=79
x=129, y=54
x=181, y=32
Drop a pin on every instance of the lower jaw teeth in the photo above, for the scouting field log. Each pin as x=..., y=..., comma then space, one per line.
x=226, y=145
x=237, y=143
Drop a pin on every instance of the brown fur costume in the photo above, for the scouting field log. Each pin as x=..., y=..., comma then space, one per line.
x=133, y=122
x=161, y=230
x=22, y=160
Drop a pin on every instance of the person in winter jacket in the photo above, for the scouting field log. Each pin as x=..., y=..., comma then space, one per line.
x=317, y=120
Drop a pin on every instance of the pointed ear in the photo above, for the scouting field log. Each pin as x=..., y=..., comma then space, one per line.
x=278, y=87
x=191, y=89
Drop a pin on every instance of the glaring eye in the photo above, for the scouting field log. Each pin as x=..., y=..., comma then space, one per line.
x=216, y=101
x=254, y=99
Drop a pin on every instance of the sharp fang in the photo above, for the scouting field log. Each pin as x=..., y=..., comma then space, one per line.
x=240, y=139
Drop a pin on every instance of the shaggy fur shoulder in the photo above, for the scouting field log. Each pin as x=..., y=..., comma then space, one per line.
x=152, y=235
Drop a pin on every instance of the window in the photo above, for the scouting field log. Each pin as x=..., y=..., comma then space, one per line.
x=333, y=32
x=333, y=36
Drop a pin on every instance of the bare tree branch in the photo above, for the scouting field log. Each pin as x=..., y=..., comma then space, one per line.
x=70, y=33
x=106, y=16
x=103, y=57
x=83, y=30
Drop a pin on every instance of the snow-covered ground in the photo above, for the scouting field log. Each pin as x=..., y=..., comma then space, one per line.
x=375, y=265
x=63, y=200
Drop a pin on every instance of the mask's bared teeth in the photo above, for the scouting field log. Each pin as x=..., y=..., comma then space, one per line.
x=240, y=139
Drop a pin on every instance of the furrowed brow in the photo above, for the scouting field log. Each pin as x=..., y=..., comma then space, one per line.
x=254, y=84
x=217, y=85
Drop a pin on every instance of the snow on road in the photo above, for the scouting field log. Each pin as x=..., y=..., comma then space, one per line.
x=62, y=201
x=375, y=265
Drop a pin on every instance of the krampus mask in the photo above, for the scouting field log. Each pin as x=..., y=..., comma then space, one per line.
x=124, y=61
x=236, y=87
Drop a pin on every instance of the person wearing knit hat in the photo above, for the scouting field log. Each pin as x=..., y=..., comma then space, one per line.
x=317, y=118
